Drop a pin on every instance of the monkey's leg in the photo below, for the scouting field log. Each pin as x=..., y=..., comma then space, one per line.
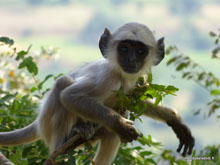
x=63, y=82
x=55, y=122
x=108, y=148
x=173, y=120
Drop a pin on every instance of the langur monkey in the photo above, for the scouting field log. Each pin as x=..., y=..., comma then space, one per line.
x=86, y=95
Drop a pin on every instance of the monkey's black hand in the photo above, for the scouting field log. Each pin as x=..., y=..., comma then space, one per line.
x=126, y=131
x=184, y=135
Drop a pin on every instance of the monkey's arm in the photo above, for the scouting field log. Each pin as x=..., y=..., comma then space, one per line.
x=173, y=120
x=81, y=99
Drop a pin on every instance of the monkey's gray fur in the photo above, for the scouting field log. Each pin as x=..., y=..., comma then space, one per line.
x=86, y=95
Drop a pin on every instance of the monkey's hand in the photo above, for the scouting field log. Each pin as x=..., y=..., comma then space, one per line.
x=126, y=130
x=184, y=135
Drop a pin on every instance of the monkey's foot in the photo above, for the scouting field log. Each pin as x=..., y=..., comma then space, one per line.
x=85, y=130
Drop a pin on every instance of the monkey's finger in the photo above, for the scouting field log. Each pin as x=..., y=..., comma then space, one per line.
x=180, y=146
x=127, y=138
x=140, y=134
x=129, y=122
x=185, y=150
x=93, y=124
x=190, y=148
x=123, y=140
x=133, y=133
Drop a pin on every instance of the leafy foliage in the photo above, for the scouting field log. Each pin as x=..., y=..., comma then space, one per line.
x=18, y=101
x=7, y=41
x=216, y=50
x=191, y=70
x=144, y=90
x=137, y=154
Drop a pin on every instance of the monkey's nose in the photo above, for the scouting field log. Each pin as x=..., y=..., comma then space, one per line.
x=132, y=59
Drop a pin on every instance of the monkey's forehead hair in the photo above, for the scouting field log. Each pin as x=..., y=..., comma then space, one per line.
x=135, y=31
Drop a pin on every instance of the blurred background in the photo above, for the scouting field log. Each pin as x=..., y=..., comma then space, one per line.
x=72, y=29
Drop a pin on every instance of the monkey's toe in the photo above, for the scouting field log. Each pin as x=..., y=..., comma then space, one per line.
x=85, y=130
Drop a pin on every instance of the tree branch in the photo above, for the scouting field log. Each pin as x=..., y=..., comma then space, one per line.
x=4, y=160
x=73, y=142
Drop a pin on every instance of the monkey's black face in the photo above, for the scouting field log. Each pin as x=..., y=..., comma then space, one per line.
x=131, y=55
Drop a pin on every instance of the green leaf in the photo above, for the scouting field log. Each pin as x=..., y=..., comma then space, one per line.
x=171, y=88
x=143, y=97
x=197, y=112
x=212, y=34
x=194, y=65
x=149, y=77
x=158, y=99
x=171, y=60
x=185, y=74
x=59, y=75
x=193, y=155
x=158, y=87
x=144, y=141
x=151, y=161
x=170, y=49
x=29, y=64
x=6, y=98
x=217, y=83
x=215, y=92
x=132, y=117
x=181, y=66
x=33, y=89
x=146, y=153
x=71, y=158
x=216, y=50
x=201, y=76
x=189, y=77
x=7, y=41
x=151, y=92
x=22, y=53
x=42, y=83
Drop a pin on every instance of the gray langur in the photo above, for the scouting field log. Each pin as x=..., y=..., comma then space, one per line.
x=86, y=95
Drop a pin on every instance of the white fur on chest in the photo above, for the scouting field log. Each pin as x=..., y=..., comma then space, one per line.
x=109, y=93
x=126, y=86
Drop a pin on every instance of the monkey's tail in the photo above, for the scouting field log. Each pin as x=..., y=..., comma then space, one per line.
x=20, y=136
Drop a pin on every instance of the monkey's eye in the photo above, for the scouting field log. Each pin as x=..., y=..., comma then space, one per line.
x=123, y=49
x=141, y=51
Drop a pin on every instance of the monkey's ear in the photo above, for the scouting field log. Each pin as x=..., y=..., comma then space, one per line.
x=103, y=42
x=160, y=52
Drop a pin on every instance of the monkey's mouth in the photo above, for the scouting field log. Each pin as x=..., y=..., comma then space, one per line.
x=130, y=69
